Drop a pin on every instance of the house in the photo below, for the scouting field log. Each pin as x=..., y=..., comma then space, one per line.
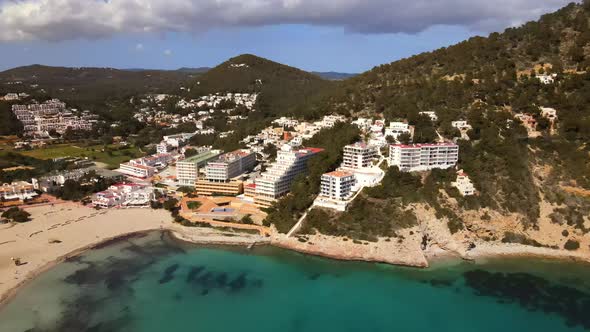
x=461, y=125
x=547, y=79
x=432, y=115
x=396, y=129
x=464, y=184
x=549, y=113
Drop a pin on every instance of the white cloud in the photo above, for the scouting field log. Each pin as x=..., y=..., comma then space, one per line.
x=56, y=20
x=167, y=52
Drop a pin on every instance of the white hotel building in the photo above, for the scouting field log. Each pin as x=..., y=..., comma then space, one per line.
x=277, y=179
x=359, y=155
x=423, y=157
x=337, y=185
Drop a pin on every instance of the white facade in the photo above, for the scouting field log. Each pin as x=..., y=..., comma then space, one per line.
x=187, y=171
x=337, y=185
x=230, y=165
x=137, y=170
x=124, y=195
x=549, y=113
x=461, y=125
x=359, y=155
x=395, y=129
x=547, y=79
x=464, y=184
x=432, y=115
x=423, y=157
x=277, y=179
x=17, y=190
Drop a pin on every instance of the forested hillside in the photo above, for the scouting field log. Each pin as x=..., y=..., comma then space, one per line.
x=486, y=81
x=281, y=88
x=88, y=86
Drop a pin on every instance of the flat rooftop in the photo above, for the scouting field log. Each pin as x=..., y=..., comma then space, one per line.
x=201, y=157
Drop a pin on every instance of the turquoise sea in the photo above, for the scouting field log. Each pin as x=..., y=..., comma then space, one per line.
x=152, y=283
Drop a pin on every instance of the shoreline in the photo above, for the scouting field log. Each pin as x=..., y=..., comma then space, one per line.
x=147, y=221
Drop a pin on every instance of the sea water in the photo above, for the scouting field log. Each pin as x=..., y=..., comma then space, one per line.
x=152, y=283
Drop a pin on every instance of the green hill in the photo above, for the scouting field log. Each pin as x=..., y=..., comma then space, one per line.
x=484, y=80
x=281, y=87
x=87, y=85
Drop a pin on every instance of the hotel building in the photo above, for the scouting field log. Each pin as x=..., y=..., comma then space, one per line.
x=337, y=185
x=220, y=173
x=187, y=170
x=276, y=181
x=423, y=157
x=359, y=155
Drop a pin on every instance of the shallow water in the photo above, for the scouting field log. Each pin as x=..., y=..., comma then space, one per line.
x=155, y=284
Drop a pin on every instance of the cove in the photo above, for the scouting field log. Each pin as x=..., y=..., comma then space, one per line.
x=153, y=283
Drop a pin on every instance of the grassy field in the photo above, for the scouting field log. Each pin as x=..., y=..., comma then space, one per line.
x=112, y=156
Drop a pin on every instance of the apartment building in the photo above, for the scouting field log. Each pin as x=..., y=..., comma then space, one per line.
x=359, y=155
x=464, y=184
x=17, y=190
x=337, y=185
x=423, y=157
x=187, y=170
x=276, y=181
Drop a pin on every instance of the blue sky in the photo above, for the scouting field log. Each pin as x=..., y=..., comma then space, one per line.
x=306, y=47
x=319, y=35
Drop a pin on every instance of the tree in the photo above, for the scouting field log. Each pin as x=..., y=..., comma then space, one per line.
x=171, y=204
x=247, y=219
x=16, y=215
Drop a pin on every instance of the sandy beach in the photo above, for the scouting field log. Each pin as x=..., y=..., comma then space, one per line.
x=56, y=232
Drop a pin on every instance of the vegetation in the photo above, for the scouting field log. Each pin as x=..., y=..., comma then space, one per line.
x=571, y=245
x=16, y=214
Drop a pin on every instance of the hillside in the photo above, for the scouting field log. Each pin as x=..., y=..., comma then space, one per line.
x=530, y=185
x=281, y=87
x=87, y=85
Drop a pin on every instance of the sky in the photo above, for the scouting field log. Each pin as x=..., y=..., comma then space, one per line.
x=316, y=35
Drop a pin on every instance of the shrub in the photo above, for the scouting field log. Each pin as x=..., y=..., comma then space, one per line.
x=571, y=245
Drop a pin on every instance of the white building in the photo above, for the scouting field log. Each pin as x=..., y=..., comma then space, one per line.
x=464, y=184
x=187, y=170
x=359, y=155
x=423, y=157
x=549, y=113
x=547, y=79
x=17, y=190
x=137, y=170
x=432, y=115
x=49, y=182
x=177, y=140
x=124, y=195
x=230, y=165
x=277, y=179
x=337, y=185
x=461, y=125
x=395, y=129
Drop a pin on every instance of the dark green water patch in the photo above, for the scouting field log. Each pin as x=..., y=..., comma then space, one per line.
x=533, y=293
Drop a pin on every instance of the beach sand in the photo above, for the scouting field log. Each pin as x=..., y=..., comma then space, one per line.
x=75, y=227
